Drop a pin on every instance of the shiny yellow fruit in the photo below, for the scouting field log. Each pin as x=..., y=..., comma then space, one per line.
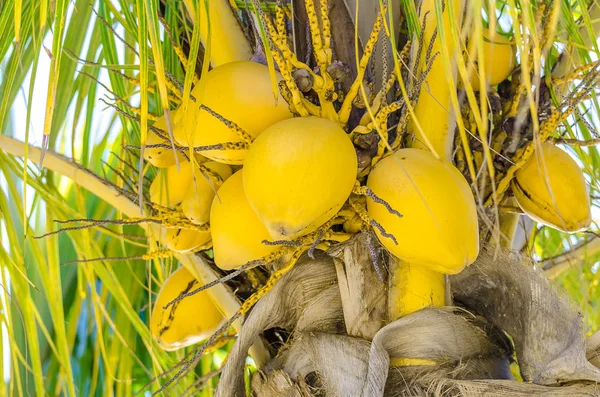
x=197, y=201
x=298, y=174
x=170, y=186
x=187, y=240
x=189, y=321
x=499, y=57
x=237, y=233
x=161, y=157
x=439, y=227
x=241, y=92
x=551, y=189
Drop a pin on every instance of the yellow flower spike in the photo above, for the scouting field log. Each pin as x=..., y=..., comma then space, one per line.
x=381, y=119
x=157, y=255
x=280, y=21
x=435, y=201
x=499, y=57
x=326, y=25
x=298, y=174
x=187, y=240
x=191, y=320
x=170, y=185
x=237, y=233
x=296, y=95
x=235, y=97
x=176, y=47
x=196, y=203
x=552, y=190
x=379, y=99
x=291, y=255
x=161, y=157
x=344, y=112
x=321, y=40
x=323, y=84
x=358, y=204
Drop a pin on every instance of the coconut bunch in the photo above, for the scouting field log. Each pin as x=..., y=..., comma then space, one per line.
x=280, y=185
x=546, y=182
x=269, y=165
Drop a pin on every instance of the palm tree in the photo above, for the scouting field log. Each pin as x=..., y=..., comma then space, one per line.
x=500, y=98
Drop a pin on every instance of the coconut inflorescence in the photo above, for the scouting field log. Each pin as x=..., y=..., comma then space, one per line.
x=265, y=163
x=276, y=185
x=293, y=182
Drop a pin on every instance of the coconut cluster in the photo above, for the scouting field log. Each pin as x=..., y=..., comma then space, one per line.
x=263, y=179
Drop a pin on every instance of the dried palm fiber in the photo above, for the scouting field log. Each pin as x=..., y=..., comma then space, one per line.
x=471, y=355
x=346, y=365
x=592, y=348
x=546, y=328
x=361, y=284
x=340, y=362
x=306, y=299
x=456, y=340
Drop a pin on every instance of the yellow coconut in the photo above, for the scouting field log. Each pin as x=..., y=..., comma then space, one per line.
x=187, y=322
x=237, y=233
x=170, y=185
x=161, y=157
x=551, y=189
x=298, y=174
x=499, y=60
x=438, y=229
x=196, y=203
x=241, y=92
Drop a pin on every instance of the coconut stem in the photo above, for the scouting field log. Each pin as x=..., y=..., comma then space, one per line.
x=224, y=299
x=413, y=288
x=227, y=40
x=508, y=227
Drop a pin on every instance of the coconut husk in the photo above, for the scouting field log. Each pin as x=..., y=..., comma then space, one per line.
x=592, y=349
x=338, y=364
x=305, y=299
x=361, y=284
x=546, y=327
x=468, y=348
